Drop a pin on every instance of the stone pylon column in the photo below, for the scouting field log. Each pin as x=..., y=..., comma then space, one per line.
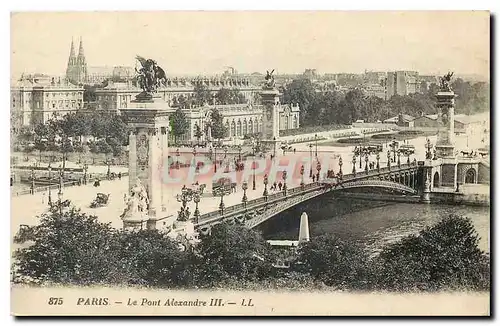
x=445, y=145
x=270, y=118
x=148, y=155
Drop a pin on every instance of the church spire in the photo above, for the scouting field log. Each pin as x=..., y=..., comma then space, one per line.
x=72, y=51
x=80, y=51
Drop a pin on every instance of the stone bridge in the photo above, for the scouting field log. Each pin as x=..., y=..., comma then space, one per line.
x=400, y=179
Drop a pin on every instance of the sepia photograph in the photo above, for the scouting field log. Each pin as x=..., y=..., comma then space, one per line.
x=250, y=163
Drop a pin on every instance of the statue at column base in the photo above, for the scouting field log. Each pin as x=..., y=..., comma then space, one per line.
x=137, y=205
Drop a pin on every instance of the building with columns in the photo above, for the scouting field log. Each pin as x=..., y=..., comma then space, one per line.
x=240, y=119
x=117, y=95
x=38, y=98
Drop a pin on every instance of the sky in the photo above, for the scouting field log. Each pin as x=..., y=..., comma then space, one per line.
x=289, y=42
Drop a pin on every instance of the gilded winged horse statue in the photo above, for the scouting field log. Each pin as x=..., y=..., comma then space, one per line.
x=150, y=76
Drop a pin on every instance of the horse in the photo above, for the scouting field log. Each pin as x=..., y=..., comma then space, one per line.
x=161, y=77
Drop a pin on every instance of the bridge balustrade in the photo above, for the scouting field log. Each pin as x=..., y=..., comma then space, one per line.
x=307, y=190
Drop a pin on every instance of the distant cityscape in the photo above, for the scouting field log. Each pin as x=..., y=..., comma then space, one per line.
x=36, y=98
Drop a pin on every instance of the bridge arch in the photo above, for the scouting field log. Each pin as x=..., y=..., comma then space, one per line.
x=435, y=180
x=471, y=176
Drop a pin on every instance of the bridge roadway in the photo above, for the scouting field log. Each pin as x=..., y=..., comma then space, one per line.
x=257, y=211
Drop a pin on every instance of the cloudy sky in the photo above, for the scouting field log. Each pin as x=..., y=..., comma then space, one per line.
x=207, y=42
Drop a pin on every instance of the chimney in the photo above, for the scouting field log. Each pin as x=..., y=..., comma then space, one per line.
x=304, y=228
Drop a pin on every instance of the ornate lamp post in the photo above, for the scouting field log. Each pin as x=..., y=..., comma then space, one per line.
x=244, y=186
x=394, y=146
x=284, y=182
x=254, y=147
x=360, y=159
x=221, y=205
x=215, y=158
x=310, y=160
x=366, y=162
x=378, y=161
x=225, y=152
x=50, y=171
x=316, y=142
x=196, y=199
x=194, y=160
x=354, y=164
x=60, y=193
x=184, y=197
x=389, y=159
x=85, y=168
x=50, y=197
x=340, y=165
x=318, y=168
x=266, y=181
x=302, y=176
x=32, y=174
x=108, y=173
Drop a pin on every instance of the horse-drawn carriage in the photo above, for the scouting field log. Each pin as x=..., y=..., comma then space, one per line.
x=223, y=185
x=101, y=200
x=407, y=150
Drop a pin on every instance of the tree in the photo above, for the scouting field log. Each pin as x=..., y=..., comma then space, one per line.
x=67, y=248
x=89, y=94
x=219, y=129
x=335, y=262
x=355, y=102
x=202, y=95
x=198, y=133
x=444, y=256
x=301, y=91
x=70, y=247
x=178, y=124
x=116, y=146
x=222, y=97
x=229, y=96
x=231, y=252
x=151, y=258
x=104, y=147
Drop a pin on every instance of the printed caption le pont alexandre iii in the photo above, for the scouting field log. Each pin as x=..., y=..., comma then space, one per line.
x=170, y=302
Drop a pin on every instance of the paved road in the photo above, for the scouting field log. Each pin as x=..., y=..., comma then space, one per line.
x=26, y=208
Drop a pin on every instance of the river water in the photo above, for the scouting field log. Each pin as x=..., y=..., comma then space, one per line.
x=375, y=224
x=372, y=224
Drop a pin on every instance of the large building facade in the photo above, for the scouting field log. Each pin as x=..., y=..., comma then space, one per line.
x=118, y=95
x=402, y=83
x=39, y=98
x=239, y=119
